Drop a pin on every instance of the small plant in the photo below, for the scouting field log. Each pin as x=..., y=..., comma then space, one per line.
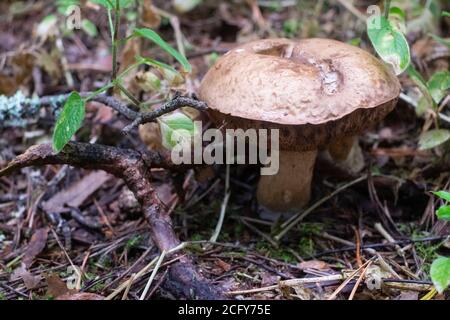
x=440, y=268
x=387, y=37
x=73, y=113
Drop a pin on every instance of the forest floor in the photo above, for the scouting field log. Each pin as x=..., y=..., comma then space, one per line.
x=375, y=229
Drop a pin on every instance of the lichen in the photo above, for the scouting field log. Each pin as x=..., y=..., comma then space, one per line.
x=16, y=110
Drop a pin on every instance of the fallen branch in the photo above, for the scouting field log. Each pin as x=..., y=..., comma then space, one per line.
x=16, y=108
x=183, y=279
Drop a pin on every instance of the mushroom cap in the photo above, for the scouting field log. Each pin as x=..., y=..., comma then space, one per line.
x=313, y=90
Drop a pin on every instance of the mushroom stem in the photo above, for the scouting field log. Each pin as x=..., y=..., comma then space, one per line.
x=340, y=148
x=290, y=188
x=347, y=154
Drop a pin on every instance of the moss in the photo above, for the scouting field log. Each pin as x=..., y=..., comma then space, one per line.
x=134, y=242
x=265, y=248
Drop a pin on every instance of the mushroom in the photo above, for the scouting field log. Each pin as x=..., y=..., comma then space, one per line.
x=316, y=92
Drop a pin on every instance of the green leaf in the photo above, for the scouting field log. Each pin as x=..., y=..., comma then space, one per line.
x=427, y=100
x=63, y=5
x=176, y=128
x=443, y=195
x=440, y=273
x=153, y=36
x=111, y=4
x=47, y=26
x=104, y=3
x=389, y=43
x=433, y=138
x=397, y=17
x=438, y=85
x=69, y=121
x=89, y=28
x=156, y=63
x=446, y=14
x=443, y=213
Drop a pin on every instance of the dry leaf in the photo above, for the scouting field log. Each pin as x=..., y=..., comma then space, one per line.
x=80, y=296
x=57, y=287
x=150, y=135
x=20, y=70
x=149, y=17
x=223, y=265
x=28, y=279
x=77, y=193
x=35, y=246
x=313, y=264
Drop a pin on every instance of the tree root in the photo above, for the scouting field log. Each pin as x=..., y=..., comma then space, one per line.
x=183, y=280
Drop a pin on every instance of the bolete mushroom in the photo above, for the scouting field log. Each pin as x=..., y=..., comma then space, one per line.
x=317, y=92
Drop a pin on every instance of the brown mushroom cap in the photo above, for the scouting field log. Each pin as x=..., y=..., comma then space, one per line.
x=313, y=90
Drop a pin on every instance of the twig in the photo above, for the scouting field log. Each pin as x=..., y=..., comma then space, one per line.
x=75, y=268
x=259, y=232
x=174, y=104
x=389, y=238
x=288, y=225
x=152, y=276
x=30, y=107
x=115, y=38
x=349, y=278
x=131, y=166
x=352, y=294
x=223, y=208
x=143, y=271
x=289, y=283
x=379, y=245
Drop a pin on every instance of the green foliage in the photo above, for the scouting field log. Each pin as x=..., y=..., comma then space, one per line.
x=89, y=27
x=398, y=18
x=438, y=85
x=111, y=4
x=73, y=112
x=427, y=100
x=443, y=213
x=155, y=63
x=440, y=268
x=63, y=5
x=443, y=195
x=134, y=242
x=276, y=253
x=389, y=42
x=433, y=138
x=440, y=273
x=387, y=37
x=69, y=121
x=153, y=36
x=176, y=128
x=291, y=27
x=46, y=26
